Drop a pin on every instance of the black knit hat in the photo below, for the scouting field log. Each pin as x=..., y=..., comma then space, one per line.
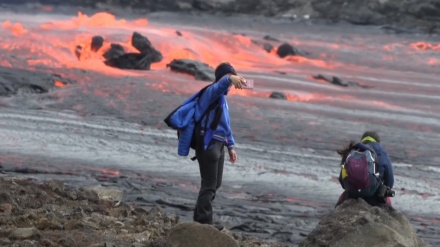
x=372, y=134
x=223, y=69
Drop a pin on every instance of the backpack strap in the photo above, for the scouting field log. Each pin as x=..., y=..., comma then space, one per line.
x=196, y=95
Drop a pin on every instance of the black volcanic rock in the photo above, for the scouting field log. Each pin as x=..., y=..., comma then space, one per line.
x=285, y=50
x=278, y=95
x=136, y=61
x=270, y=38
x=366, y=226
x=200, y=71
x=338, y=81
x=115, y=51
x=97, y=42
x=78, y=51
x=144, y=46
x=116, y=58
x=17, y=81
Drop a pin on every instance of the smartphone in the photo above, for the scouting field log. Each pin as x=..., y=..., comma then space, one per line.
x=249, y=84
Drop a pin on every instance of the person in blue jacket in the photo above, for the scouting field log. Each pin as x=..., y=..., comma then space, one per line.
x=210, y=152
x=386, y=174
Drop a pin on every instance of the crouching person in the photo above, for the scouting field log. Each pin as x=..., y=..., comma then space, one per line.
x=366, y=171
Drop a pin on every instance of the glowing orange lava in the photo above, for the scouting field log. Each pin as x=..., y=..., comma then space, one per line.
x=101, y=19
x=425, y=46
x=315, y=62
x=56, y=44
x=110, y=172
x=59, y=84
x=17, y=29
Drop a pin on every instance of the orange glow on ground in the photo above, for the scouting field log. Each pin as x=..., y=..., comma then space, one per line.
x=59, y=84
x=16, y=29
x=315, y=62
x=53, y=44
x=433, y=61
x=425, y=46
x=385, y=105
x=111, y=172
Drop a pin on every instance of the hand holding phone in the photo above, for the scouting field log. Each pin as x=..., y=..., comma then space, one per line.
x=249, y=84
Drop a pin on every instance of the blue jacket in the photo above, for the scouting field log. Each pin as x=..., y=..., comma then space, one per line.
x=223, y=132
x=385, y=167
x=192, y=110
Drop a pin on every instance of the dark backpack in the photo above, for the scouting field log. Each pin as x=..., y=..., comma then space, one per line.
x=196, y=137
x=359, y=173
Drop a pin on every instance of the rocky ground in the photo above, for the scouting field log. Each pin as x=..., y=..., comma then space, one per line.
x=397, y=15
x=51, y=214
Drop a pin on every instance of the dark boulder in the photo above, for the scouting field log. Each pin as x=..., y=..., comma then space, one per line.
x=17, y=81
x=97, y=43
x=192, y=234
x=356, y=223
x=278, y=95
x=285, y=50
x=136, y=61
x=115, y=51
x=200, y=71
x=116, y=58
x=144, y=46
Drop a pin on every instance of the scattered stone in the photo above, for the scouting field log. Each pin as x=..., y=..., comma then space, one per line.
x=267, y=47
x=193, y=234
x=49, y=217
x=270, y=38
x=24, y=233
x=55, y=186
x=338, y=81
x=355, y=223
x=86, y=194
x=278, y=95
x=97, y=43
x=106, y=193
x=178, y=33
x=200, y=71
x=78, y=51
x=5, y=209
x=285, y=50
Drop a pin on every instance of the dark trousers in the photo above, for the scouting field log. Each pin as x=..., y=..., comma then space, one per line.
x=211, y=163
